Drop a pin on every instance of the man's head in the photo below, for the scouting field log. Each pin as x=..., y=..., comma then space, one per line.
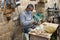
x=30, y=7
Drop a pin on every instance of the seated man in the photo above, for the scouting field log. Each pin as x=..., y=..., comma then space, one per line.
x=27, y=20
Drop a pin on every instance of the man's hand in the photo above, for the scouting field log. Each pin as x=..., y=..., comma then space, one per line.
x=32, y=21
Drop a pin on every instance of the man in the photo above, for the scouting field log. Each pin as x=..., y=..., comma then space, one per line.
x=27, y=20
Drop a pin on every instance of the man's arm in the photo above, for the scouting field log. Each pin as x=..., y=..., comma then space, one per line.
x=23, y=21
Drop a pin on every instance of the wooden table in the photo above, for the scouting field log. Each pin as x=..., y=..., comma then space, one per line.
x=43, y=36
x=39, y=37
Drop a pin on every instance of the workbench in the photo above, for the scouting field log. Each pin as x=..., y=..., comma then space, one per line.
x=42, y=36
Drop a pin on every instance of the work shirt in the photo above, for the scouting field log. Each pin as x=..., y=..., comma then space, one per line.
x=25, y=19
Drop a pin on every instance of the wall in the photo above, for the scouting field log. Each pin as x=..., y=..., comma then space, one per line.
x=50, y=3
x=24, y=3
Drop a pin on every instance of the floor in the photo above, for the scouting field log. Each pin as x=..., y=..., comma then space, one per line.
x=16, y=32
x=7, y=31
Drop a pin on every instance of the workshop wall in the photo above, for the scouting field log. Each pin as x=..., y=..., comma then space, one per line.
x=23, y=5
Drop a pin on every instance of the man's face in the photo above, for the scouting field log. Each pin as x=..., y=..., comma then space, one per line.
x=31, y=8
